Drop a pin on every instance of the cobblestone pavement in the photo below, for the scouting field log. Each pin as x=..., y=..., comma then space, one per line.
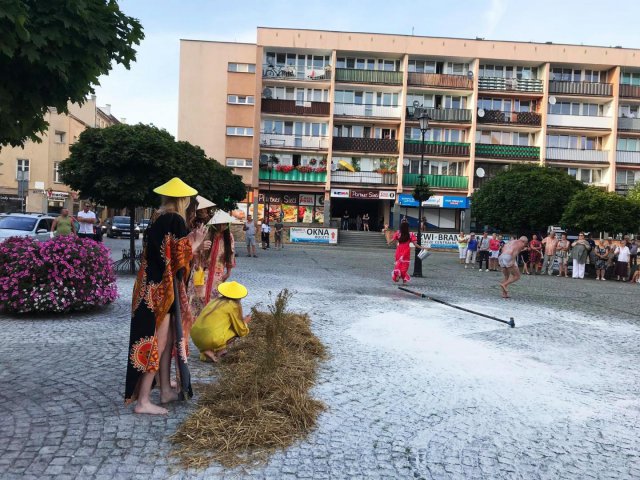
x=414, y=389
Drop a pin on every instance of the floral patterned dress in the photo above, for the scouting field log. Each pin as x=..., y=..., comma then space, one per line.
x=159, y=290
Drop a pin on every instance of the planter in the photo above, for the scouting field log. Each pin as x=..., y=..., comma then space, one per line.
x=295, y=175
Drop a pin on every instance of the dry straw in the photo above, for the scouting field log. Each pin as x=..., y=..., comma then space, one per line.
x=261, y=402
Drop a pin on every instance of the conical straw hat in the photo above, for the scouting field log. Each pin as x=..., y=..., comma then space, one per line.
x=175, y=188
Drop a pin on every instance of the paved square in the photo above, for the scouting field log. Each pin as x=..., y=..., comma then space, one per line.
x=414, y=389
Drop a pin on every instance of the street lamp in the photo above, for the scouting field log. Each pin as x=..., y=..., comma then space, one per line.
x=423, y=119
x=271, y=161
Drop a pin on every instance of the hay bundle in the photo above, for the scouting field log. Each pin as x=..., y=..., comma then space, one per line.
x=261, y=402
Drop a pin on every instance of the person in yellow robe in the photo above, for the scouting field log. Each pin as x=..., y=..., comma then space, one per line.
x=220, y=322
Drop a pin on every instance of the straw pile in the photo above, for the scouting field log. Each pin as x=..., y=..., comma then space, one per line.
x=261, y=402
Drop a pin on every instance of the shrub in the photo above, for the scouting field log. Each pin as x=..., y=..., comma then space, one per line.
x=58, y=275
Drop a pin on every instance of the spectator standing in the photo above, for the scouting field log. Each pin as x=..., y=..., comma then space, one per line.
x=345, y=220
x=611, y=261
x=463, y=240
x=423, y=224
x=86, y=218
x=535, y=254
x=550, y=243
x=279, y=230
x=365, y=222
x=633, y=252
x=472, y=251
x=592, y=255
x=562, y=251
x=63, y=225
x=601, y=254
x=579, y=253
x=266, y=233
x=524, y=259
x=97, y=230
x=494, y=251
x=250, y=236
x=483, y=251
x=622, y=264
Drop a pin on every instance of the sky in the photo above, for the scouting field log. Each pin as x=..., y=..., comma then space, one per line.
x=148, y=93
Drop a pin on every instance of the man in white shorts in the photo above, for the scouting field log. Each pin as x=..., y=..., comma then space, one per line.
x=508, y=262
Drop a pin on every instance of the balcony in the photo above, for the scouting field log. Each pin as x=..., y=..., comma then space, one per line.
x=354, y=75
x=440, y=80
x=628, y=124
x=629, y=91
x=524, y=85
x=437, y=181
x=578, y=121
x=512, y=152
x=366, y=110
x=459, y=115
x=367, y=145
x=294, y=107
x=628, y=157
x=517, y=118
x=623, y=188
x=442, y=149
x=291, y=72
x=575, y=155
x=581, y=88
x=293, y=176
x=279, y=140
x=371, y=178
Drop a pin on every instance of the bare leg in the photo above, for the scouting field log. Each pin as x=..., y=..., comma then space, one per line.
x=144, y=405
x=167, y=394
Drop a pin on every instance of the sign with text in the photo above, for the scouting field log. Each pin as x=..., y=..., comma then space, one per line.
x=339, y=193
x=313, y=235
x=440, y=240
x=440, y=201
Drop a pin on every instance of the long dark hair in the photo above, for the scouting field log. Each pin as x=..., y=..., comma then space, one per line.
x=404, y=232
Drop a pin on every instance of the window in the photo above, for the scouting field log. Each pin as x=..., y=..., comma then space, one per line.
x=240, y=131
x=575, y=75
x=575, y=142
x=422, y=66
x=239, y=162
x=508, y=71
x=241, y=99
x=630, y=78
x=242, y=67
x=628, y=144
x=56, y=172
x=629, y=111
x=22, y=165
x=574, y=108
x=59, y=137
x=626, y=177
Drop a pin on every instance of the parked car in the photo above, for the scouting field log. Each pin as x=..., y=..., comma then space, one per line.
x=37, y=225
x=144, y=223
x=119, y=227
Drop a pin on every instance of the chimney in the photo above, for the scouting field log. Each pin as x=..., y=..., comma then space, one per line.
x=107, y=109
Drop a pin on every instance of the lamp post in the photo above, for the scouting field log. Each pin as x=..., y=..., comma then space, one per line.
x=271, y=161
x=424, y=126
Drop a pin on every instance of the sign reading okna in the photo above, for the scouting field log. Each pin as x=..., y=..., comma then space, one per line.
x=313, y=235
x=440, y=240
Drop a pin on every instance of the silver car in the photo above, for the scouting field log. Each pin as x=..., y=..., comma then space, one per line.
x=37, y=225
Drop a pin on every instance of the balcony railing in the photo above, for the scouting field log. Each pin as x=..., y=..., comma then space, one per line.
x=623, y=188
x=461, y=115
x=294, y=107
x=519, y=118
x=364, y=177
x=362, y=110
x=278, y=140
x=581, y=88
x=369, y=145
x=438, y=181
x=510, y=84
x=580, y=121
x=291, y=72
x=294, y=176
x=575, y=155
x=629, y=91
x=625, y=123
x=628, y=157
x=442, y=149
x=514, y=152
x=354, y=75
x=440, y=80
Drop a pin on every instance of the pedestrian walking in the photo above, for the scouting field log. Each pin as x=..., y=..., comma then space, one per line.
x=622, y=264
x=550, y=243
x=86, y=218
x=472, y=251
x=562, y=251
x=404, y=241
x=483, y=251
x=601, y=255
x=365, y=222
x=265, y=230
x=579, y=253
x=463, y=241
x=508, y=262
x=535, y=254
x=63, y=225
x=278, y=232
x=494, y=252
x=249, y=229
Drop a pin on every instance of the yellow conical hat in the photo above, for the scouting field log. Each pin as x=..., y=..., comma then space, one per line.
x=233, y=290
x=175, y=188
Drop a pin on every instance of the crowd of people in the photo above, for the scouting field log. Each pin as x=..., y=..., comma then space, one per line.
x=85, y=224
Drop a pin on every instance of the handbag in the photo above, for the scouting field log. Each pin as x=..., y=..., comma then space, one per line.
x=198, y=277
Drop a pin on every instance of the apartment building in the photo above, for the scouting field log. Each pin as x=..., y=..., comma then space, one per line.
x=37, y=164
x=338, y=112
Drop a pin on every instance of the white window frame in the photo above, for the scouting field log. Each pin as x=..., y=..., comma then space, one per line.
x=22, y=165
x=234, y=162
x=241, y=99
x=240, y=131
x=60, y=137
x=236, y=67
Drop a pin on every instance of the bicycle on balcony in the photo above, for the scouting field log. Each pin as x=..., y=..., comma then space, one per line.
x=279, y=71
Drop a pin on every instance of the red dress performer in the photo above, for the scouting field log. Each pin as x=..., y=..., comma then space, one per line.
x=403, y=252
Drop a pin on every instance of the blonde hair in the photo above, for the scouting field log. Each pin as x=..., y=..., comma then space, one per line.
x=177, y=205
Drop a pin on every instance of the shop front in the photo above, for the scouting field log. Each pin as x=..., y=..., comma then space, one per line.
x=10, y=202
x=357, y=202
x=291, y=207
x=442, y=212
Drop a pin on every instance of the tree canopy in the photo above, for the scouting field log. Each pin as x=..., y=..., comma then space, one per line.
x=634, y=193
x=52, y=52
x=594, y=210
x=119, y=166
x=524, y=198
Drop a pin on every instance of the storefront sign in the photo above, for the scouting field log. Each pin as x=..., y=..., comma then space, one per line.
x=440, y=240
x=274, y=197
x=385, y=195
x=313, y=235
x=59, y=195
x=360, y=194
x=320, y=200
x=10, y=198
x=440, y=201
x=305, y=199
x=339, y=193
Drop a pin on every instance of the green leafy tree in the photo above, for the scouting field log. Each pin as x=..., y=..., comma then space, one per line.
x=119, y=167
x=524, y=198
x=634, y=193
x=52, y=52
x=594, y=210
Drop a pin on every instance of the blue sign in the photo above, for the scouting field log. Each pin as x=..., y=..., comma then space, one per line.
x=455, y=202
x=407, y=200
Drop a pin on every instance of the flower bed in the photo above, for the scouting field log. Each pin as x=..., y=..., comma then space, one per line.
x=58, y=275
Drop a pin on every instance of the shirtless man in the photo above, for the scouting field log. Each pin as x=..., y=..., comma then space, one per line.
x=508, y=262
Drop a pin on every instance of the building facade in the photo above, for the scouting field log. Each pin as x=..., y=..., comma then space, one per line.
x=29, y=176
x=337, y=111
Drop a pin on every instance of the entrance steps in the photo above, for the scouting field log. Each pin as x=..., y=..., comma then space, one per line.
x=355, y=239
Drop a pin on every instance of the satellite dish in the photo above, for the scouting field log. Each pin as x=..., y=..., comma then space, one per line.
x=481, y=112
x=267, y=93
x=406, y=162
x=264, y=159
x=480, y=172
x=470, y=74
x=416, y=104
x=552, y=100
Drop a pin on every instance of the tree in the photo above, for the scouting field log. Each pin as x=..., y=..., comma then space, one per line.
x=524, y=198
x=119, y=166
x=594, y=210
x=52, y=52
x=634, y=193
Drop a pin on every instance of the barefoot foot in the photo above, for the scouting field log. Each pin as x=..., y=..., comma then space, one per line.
x=168, y=396
x=150, y=409
x=211, y=356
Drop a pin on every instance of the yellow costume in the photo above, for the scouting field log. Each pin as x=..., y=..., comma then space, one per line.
x=220, y=321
